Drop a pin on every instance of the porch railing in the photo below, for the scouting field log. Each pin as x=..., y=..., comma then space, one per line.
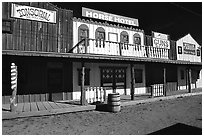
x=94, y=46
x=95, y=94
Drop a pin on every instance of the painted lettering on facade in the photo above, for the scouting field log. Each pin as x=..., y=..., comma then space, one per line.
x=189, y=48
x=108, y=17
x=161, y=43
x=32, y=13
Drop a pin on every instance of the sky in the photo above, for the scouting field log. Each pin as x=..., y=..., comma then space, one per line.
x=172, y=18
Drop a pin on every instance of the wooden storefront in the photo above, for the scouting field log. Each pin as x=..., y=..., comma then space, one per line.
x=39, y=78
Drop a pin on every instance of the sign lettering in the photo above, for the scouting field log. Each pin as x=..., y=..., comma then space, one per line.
x=32, y=13
x=161, y=43
x=108, y=17
x=189, y=48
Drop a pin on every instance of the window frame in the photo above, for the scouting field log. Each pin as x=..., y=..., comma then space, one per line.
x=9, y=31
x=86, y=77
x=140, y=71
x=182, y=74
x=122, y=35
x=136, y=35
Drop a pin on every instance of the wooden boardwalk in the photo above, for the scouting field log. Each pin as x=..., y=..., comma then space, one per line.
x=39, y=106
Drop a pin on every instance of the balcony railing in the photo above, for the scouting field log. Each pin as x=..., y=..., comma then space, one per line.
x=93, y=46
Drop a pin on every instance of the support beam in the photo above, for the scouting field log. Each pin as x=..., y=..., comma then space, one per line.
x=164, y=72
x=189, y=80
x=83, y=98
x=132, y=82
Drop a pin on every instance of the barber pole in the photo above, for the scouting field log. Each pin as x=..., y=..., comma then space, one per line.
x=13, y=104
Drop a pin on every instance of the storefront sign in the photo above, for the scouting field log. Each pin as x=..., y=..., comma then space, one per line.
x=160, y=35
x=108, y=17
x=189, y=48
x=161, y=43
x=32, y=13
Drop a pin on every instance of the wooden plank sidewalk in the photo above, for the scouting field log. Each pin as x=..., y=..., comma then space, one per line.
x=37, y=106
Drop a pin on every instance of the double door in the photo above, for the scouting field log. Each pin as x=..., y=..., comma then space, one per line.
x=113, y=77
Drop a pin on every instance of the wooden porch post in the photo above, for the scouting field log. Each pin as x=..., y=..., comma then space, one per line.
x=189, y=80
x=132, y=82
x=83, y=98
x=86, y=44
x=164, y=81
x=14, y=75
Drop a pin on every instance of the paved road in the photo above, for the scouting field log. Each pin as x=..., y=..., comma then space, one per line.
x=176, y=116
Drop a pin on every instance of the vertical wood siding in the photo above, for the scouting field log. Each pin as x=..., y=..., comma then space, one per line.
x=29, y=35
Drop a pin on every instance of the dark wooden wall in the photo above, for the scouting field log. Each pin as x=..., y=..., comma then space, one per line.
x=29, y=35
x=155, y=74
x=33, y=78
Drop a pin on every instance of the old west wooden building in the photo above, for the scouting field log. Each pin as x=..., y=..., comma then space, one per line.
x=51, y=48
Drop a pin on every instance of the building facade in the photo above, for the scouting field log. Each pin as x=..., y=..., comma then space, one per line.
x=59, y=56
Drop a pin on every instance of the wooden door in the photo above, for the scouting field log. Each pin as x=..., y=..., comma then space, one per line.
x=114, y=77
x=55, y=84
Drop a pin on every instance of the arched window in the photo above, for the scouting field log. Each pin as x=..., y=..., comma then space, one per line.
x=100, y=33
x=124, y=38
x=83, y=32
x=100, y=37
x=136, y=39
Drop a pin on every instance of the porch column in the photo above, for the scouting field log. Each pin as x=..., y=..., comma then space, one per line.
x=189, y=80
x=83, y=98
x=164, y=72
x=132, y=82
x=86, y=44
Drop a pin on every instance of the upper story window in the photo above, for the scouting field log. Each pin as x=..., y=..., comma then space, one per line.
x=83, y=32
x=7, y=26
x=100, y=37
x=136, y=39
x=124, y=38
x=100, y=33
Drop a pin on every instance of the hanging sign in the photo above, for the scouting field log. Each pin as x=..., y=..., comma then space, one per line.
x=86, y=12
x=189, y=48
x=33, y=13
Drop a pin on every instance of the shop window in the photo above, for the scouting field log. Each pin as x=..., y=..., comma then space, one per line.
x=138, y=76
x=86, y=77
x=179, y=50
x=136, y=39
x=198, y=52
x=124, y=38
x=7, y=26
x=182, y=74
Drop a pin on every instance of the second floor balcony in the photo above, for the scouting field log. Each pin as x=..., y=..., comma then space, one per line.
x=94, y=46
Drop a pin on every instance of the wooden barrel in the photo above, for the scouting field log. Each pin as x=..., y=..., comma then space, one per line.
x=114, y=102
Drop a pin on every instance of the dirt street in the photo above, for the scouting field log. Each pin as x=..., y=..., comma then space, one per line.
x=183, y=114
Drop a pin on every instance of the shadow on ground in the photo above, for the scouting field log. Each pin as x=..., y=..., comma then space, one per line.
x=179, y=129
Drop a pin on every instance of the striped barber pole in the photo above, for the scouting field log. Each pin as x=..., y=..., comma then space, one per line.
x=14, y=75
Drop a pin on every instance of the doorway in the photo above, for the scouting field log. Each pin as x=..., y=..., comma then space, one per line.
x=113, y=77
x=55, y=84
